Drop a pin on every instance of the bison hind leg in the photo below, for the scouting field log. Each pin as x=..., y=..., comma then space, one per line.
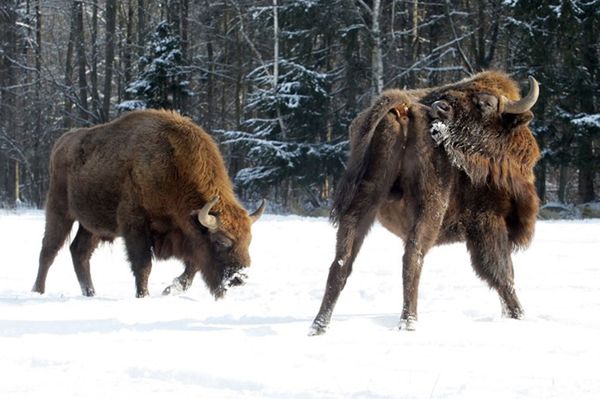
x=58, y=227
x=82, y=248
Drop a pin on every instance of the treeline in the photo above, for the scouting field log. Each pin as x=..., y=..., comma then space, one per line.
x=278, y=81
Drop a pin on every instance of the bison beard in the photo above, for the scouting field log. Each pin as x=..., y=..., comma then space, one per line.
x=461, y=171
x=157, y=180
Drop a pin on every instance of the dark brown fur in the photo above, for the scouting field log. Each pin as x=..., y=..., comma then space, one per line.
x=141, y=177
x=465, y=188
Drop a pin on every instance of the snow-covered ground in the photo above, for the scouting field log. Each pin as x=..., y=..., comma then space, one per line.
x=254, y=343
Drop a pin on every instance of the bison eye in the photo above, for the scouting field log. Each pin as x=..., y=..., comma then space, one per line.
x=486, y=103
x=222, y=243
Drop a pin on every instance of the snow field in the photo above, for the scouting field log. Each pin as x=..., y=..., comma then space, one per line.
x=254, y=343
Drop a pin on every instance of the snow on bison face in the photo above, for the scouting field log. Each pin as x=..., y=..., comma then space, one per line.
x=472, y=122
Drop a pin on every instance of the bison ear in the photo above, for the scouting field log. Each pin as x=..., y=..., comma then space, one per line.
x=515, y=120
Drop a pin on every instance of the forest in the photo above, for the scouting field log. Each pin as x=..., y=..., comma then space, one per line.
x=277, y=82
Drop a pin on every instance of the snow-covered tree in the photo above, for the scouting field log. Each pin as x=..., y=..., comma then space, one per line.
x=282, y=140
x=558, y=42
x=289, y=131
x=162, y=82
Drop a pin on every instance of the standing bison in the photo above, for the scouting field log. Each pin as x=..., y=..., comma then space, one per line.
x=435, y=166
x=157, y=180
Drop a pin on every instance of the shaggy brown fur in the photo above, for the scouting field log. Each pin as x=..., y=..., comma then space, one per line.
x=142, y=177
x=473, y=183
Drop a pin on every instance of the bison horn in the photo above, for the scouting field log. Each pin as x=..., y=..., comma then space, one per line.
x=207, y=220
x=258, y=213
x=523, y=105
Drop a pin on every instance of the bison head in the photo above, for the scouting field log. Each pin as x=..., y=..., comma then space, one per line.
x=227, y=236
x=484, y=109
x=481, y=122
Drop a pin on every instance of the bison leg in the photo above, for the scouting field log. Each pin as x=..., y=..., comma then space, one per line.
x=58, y=227
x=139, y=251
x=490, y=249
x=82, y=248
x=183, y=282
x=350, y=236
x=418, y=243
x=430, y=206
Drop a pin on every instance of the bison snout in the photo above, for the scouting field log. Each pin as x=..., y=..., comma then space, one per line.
x=234, y=278
x=441, y=110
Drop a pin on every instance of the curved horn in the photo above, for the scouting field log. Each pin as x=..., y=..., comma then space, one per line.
x=520, y=106
x=258, y=213
x=207, y=220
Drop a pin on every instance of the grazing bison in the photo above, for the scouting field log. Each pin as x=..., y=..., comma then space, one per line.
x=435, y=166
x=157, y=180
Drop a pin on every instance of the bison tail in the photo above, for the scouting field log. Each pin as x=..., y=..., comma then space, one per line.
x=374, y=135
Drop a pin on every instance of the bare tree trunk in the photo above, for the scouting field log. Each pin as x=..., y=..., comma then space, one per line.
x=589, y=49
x=484, y=43
x=275, y=46
x=540, y=179
x=585, y=187
x=415, y=29
x=141, y=32
x=38, y=63
x=226, y=59
x=185, y=45
x=185, y=49
x=458, y=46
x=376, y=54
x=94, y=60
x=210, y=85
x=68, y=119
x=563, y=181
x=17, y=183
x=111, y=13
x=37, y=186
x=286, y=185
x=127, y=69
x=79, y=39
x=276, y=65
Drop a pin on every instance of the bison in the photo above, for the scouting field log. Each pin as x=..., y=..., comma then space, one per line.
x=435, y=166
x=157, y=180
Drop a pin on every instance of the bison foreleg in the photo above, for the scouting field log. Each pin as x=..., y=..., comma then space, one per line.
x=82, y=248
x=138, y=245
x=183, y=282
x=490, y=248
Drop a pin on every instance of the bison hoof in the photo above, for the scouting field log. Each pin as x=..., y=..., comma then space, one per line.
x=511, y=307
x=175, y=288
x=37, y=289
x=409, y=323
x=88, y=291
x=512, y=313
x=317, y=329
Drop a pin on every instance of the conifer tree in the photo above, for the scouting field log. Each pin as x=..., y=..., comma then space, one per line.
x=161, y=83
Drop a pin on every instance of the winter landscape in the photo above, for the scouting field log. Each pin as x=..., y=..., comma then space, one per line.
x=254, y=343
